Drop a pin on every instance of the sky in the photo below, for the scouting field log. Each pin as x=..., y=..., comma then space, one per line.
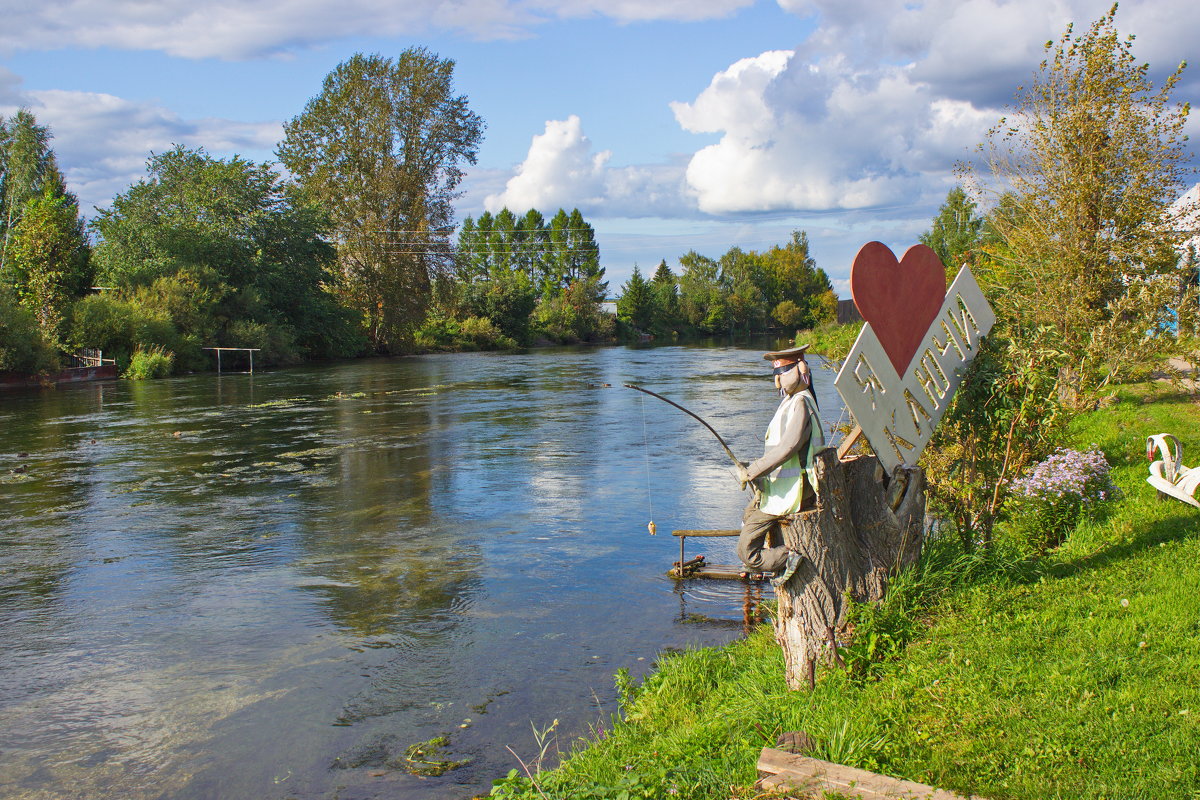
x=673, y=125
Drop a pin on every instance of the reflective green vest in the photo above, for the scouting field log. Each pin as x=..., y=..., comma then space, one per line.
x=783, y=488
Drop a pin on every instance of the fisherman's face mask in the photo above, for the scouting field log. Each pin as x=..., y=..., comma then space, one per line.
x=790, y=377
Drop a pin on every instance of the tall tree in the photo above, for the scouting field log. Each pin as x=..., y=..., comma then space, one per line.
x=28, y=169
x=636, y=305
x=530, y=241
x=955, y=232
x=382, y=149
x=703, y=299
x=665, y=287
x=48, y=257
x=584, y=256
x=1090, y=158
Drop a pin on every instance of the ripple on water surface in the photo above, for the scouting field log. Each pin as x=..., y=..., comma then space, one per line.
x=325, y=566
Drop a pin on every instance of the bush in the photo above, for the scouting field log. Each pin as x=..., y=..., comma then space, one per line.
x=481, y=334
x=119, y=327
x=1048, y=502
x=151, y=362
x=557, y=320
x=276, y=343
x=22, y=348
x=473, y=333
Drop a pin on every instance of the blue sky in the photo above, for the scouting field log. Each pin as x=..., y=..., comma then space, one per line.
x=673, y=125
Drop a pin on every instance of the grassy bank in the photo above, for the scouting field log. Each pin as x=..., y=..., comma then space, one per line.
x=830, y=339
x=1077, y=676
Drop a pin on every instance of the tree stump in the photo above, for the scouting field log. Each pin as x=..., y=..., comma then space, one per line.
x=865, y=528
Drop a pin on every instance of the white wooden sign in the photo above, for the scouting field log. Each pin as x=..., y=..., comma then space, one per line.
x=898, y=413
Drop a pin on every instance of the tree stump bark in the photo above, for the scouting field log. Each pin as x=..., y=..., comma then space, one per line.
x=864, y=529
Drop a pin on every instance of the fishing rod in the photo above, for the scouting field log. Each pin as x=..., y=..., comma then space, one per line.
x=696, y=417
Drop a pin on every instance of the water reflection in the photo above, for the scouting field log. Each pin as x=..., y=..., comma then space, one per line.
x=322, y=566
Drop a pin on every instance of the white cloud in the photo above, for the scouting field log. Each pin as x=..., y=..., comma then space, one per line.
x=241, y=29
x=878, y=105
x=103, y=141
x=559, y=169
x=820, y=135
x=562, y=171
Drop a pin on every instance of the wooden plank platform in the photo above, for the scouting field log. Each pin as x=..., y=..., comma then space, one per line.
x=727, y=572
x=810, y=777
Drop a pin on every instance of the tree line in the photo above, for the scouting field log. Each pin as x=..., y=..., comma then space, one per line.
x=352, y=254
x=741, y=292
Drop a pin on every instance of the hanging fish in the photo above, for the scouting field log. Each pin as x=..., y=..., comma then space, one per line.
x=651, y=527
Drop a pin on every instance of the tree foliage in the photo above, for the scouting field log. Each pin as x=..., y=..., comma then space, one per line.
x=955, y=232
x=1077, y=258
x=44, y=250
x=635, y=306
x=381, y=150
x=529, y=277
x=1086, y=165
x=743, y=291
x=223, y=254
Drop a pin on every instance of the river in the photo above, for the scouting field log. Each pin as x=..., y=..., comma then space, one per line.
x=271, y=586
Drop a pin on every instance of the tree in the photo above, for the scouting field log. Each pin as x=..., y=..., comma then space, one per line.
x=48, y=256
x=381, y=149
x=1087, y=164
x=25, y=162
x=636, y=305
x=703, y=300
x=744, y=275
x=44, y=251
x=229, y=252
x=955, y=232
x=1076, y=259
x=22, y=348
x=665, y=288
x=530, y=244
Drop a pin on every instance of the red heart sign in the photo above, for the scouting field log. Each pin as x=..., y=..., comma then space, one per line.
x=899, y=298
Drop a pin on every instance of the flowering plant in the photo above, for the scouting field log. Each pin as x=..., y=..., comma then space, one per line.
x=1051, y=497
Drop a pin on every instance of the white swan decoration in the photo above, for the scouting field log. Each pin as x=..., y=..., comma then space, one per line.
x=1168, y=474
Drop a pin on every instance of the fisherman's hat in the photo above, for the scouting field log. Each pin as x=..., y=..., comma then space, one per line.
x=791, y=354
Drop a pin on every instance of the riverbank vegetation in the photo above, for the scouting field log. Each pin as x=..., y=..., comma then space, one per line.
x=741, y=292
x=1045, y=645
x=988, y=671
x=352, y=254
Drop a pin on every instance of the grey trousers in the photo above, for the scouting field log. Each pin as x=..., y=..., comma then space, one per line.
x=752, y=546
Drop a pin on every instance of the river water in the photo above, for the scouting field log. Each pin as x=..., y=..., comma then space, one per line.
x=271, y=586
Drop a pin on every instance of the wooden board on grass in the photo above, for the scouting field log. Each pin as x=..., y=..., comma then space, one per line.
x=811, y=776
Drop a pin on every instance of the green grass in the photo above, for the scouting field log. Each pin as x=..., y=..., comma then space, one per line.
x=830, y=339
x=1074, y=677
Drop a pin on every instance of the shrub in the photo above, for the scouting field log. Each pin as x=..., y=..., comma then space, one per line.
x=481, y=334
x=119, y=327
x=276, y=343
x=150, y=362
x=22, y=348
x=1050, y=498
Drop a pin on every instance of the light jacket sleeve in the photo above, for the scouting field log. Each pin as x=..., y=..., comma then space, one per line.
x=793, y=438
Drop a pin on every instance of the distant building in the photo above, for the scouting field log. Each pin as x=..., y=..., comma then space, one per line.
x=848, y=312
x=1186, y=211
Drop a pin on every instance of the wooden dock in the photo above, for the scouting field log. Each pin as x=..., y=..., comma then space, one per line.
x=697, y=567
x=812, y=778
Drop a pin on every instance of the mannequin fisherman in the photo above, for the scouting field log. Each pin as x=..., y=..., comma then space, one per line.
x=784, y=475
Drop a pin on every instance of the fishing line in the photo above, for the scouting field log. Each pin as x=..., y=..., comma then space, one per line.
x=646, y=447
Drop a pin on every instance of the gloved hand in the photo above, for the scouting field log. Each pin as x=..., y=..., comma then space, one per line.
x=742, y=475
